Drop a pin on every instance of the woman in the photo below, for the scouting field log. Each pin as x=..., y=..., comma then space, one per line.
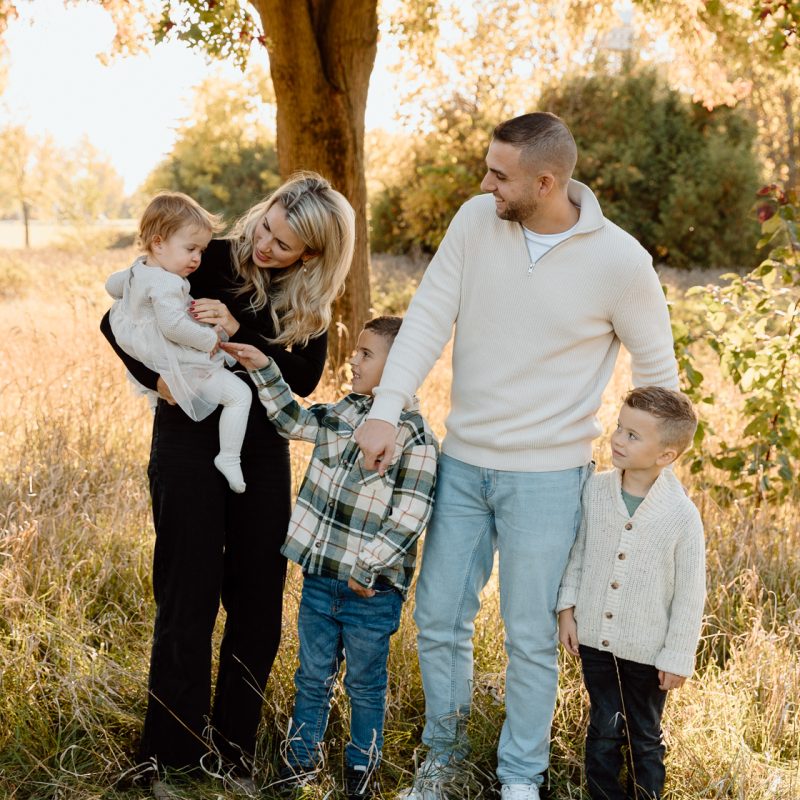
x=271, y=284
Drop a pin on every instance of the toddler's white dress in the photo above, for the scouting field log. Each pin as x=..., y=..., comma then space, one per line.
x=151, y=323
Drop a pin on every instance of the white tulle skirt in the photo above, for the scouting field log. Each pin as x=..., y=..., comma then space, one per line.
x=193, y=377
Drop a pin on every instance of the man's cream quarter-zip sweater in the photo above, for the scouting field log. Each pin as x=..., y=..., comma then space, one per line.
x=535, y=344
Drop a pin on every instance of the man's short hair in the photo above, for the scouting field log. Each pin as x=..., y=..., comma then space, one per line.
x=385, y=326
x=544, y=139
x=673, y=410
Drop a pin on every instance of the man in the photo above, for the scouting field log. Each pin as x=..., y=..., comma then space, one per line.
x=542, y=290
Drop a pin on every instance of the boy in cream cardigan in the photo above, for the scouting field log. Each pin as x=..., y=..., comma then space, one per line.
x=631, y=599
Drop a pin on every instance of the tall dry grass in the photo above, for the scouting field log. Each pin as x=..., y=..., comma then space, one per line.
x=76, y=608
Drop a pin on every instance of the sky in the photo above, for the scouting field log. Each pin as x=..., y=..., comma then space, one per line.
x=129, y=109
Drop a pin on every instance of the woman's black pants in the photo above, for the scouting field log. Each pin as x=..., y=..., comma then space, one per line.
x=212, y=545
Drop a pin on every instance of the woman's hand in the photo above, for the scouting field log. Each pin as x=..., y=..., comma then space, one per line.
x=214, y=312
x=248, y=356
x=163, y=391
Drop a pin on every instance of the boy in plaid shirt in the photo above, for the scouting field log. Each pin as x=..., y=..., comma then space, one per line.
x=355, y=534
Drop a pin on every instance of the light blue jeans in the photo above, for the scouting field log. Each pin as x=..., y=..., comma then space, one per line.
x=530, y=519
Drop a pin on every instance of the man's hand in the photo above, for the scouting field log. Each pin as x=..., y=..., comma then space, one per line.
x=376, y=438
x=361, y=591
x=667, y=681
x=248, y=356
x=163, y=391
x=568, y=631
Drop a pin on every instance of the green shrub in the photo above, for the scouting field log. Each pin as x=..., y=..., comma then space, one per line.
x=676, y=176
x=445, y=170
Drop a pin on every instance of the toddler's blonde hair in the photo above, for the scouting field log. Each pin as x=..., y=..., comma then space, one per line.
x=168, y=212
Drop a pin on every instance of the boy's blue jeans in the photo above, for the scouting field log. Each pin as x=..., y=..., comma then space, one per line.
x=626, y=708
x=335, y=624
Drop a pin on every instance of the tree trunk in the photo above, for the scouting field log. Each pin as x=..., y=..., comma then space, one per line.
x=321, y=54
x=26, y=214
x=793, y=140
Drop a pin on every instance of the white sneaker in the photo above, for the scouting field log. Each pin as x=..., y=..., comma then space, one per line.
x=433, y=781
x=519, y=791
x=162, y=791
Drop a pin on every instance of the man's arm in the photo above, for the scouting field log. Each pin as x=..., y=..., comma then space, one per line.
x=641, y=321
x=411, y=506
x=427, y=327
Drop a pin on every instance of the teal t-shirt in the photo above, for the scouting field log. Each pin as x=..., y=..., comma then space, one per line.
x=632, y=502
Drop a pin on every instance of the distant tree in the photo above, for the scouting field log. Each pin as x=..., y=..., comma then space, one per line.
x=86, y=187
x=443, y=168
x=25, y=171
x=224, y=155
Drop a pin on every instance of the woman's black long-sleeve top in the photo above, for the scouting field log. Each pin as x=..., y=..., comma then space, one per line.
x=301, y=367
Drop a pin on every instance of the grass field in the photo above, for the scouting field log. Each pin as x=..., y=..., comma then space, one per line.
x=46, y=234
x=76, y=607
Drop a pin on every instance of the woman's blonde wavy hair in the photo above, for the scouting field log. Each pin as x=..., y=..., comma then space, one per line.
x=299, y=297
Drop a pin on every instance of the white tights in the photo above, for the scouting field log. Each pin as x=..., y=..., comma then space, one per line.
x=235, y=402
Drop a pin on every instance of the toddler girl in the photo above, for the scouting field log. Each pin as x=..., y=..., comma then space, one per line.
x=151, y=323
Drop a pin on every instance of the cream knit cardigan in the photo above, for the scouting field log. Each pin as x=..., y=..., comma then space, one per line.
x=535, y=344
x=638, y=583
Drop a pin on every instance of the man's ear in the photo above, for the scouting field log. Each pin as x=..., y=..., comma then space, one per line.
x=547, y=182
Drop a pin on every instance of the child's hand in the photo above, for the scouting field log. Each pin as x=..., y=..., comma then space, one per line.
x=215, y=349
x=361, y=591
x=568, y=631
x=668, y=680
x=248, y=356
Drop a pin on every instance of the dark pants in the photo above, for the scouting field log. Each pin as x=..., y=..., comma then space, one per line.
x=626, y=708
x=212, y=545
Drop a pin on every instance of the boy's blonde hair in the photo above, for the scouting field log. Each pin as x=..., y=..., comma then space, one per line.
x=299, y=297
x=168, y=212
x=673, y=410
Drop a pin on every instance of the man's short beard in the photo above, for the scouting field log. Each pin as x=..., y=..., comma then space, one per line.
x=518, y=212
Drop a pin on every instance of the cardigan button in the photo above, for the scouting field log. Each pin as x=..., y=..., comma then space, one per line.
x=614, y=585
x=621, y=556
x=604, y=643
x=609, y=615
x=628, y=526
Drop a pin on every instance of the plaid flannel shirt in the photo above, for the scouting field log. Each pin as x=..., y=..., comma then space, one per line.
x=348, y=522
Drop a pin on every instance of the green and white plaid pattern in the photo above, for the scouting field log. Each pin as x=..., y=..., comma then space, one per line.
x=347, y=521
